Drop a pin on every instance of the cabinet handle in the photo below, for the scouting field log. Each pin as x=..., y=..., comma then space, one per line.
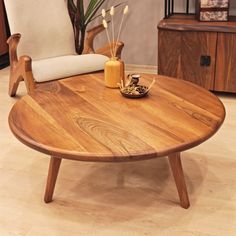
x=205, y=61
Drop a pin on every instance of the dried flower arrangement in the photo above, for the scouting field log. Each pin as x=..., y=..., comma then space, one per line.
x=113, y=46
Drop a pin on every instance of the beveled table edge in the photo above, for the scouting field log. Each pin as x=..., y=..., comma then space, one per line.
x=79, y=156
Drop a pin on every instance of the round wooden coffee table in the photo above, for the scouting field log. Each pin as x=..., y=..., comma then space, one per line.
x=78, y=118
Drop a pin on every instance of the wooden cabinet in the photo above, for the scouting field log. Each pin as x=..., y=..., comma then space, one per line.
x=3, y=34
x=203, y=53
x=225, y=79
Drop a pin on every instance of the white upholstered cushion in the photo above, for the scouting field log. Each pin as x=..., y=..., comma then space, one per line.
x=44, y=25
x=65, y=66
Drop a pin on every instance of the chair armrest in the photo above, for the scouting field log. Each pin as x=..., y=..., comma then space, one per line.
x=13, y=42
x=106, y=49
x=25, y=68
x=20, y=69
x=91, y=34
x=27, y=62
x=88, y=44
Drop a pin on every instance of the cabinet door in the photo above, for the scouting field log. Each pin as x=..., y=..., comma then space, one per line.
x=169, y=50
x=180, y=53
x=3, y=36
x=225, y=79
x=198, y=52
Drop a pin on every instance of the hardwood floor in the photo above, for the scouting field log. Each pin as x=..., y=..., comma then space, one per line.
x=118, y=199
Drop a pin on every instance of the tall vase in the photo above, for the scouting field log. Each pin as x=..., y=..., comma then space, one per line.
x=114, y=72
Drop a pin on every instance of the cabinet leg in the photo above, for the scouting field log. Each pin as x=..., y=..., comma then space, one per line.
x=177, y=170
x=52, y=177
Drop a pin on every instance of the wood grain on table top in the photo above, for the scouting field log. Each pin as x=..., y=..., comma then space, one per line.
x=79, y=118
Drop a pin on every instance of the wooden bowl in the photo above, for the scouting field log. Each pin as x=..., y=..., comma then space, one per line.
x=129, y=95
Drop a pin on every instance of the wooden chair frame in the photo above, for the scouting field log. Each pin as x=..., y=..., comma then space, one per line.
x=21, y=68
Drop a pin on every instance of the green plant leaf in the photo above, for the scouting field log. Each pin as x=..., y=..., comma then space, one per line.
x=90, y=7
x=72, y=5
x=80, y=6
x=72, y=12
x=94, y=10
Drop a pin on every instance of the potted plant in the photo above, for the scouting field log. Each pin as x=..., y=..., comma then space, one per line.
x=80, y=19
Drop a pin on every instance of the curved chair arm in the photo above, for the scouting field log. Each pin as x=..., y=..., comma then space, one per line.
x=91, y=34
x=88, y=44
x=107, y=52
x=20, y=69
x=27, y=73
x=13, y=42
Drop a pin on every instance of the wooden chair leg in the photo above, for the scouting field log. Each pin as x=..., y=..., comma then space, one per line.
x=13, y=84
x=52, y=177
x=177, y=170
x=27, y=73
x=21, y=70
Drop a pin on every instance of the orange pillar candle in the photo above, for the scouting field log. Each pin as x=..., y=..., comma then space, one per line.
x=114, y=72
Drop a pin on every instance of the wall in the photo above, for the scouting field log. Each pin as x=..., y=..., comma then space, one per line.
x=233, y=7
x=140, y=29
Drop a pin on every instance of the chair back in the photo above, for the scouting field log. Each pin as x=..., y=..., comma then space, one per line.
x=45, y=27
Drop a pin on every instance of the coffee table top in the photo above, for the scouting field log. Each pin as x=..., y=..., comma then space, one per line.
x=79, y=118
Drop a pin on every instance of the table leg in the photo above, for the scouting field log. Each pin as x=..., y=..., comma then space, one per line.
x=177, y=170
x=53, y=170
